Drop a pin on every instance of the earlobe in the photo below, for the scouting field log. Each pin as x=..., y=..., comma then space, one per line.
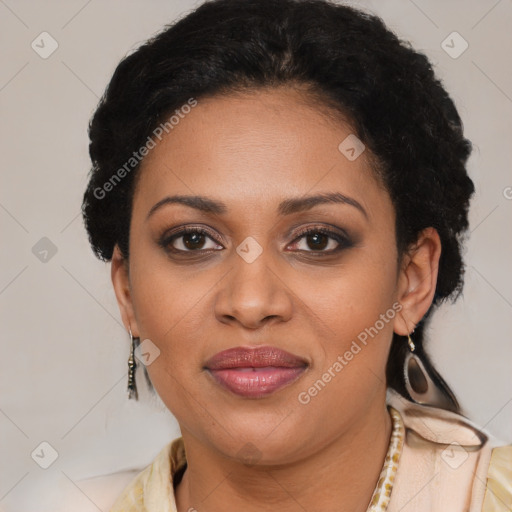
x=418, y=279
x=121, y=283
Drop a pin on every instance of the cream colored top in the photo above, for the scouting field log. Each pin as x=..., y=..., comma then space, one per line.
x=437, y=461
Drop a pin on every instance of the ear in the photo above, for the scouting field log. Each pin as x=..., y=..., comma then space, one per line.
x=417, y=280
x=121, y=282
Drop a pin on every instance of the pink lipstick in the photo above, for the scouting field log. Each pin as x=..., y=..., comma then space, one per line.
x=255, y=372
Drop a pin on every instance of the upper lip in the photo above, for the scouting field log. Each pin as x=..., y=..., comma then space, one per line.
x=258, y=357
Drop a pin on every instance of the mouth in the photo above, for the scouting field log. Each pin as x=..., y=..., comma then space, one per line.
x=255, y=372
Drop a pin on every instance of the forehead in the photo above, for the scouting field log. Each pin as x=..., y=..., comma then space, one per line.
x=254, y=149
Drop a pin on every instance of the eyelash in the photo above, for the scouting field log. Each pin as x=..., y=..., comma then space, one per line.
x=343, y=240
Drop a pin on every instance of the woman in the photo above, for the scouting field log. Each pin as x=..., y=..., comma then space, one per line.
x=281, y=188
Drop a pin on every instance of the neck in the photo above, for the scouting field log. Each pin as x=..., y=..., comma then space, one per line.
x=342, y=475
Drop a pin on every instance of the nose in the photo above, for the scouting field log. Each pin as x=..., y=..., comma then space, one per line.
x=254, y=294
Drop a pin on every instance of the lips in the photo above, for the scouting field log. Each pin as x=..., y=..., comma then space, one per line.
x=255, y=372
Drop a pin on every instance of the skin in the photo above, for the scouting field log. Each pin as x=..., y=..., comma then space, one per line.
x=251, y=151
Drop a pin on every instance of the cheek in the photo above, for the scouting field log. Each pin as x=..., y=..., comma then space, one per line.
x=169, y=308
x=351, y=358
x=351, y=297
x=164, y=296
x=359, y=313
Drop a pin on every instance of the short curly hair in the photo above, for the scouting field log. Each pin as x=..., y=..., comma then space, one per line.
x=347, y=58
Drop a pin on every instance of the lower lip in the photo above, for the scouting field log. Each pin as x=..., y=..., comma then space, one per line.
x=256, y=382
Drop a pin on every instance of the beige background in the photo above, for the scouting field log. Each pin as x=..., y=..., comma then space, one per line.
x=64, y=349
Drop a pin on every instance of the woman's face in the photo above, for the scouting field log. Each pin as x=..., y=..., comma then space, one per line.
x=252, y=279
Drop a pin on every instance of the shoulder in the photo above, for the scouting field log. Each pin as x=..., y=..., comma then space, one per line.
x=104, y=490
x=79, y=495
x=498, y=492
x=448, y=462
x=152, y=489
x=137, y=490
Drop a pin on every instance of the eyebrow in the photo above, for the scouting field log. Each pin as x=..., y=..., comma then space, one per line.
x=286, y=207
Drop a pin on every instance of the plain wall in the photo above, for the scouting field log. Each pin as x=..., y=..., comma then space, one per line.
x=64, y=348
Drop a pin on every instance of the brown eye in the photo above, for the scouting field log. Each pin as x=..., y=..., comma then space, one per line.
x=317, y=241
x=321, y=240
x=193, y=240
x=189, y=240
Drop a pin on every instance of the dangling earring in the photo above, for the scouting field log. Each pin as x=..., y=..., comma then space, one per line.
x=412, y=346
x=132, y=367
x=416, y=382
x=420, y=386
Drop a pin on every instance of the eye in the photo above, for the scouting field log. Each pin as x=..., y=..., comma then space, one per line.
x=189, y=239
x=317, y=239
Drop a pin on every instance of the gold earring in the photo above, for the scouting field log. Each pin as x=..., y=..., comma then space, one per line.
x=412, y=346
x=132, y=367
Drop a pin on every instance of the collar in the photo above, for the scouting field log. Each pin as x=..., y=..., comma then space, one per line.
x=417, y=432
